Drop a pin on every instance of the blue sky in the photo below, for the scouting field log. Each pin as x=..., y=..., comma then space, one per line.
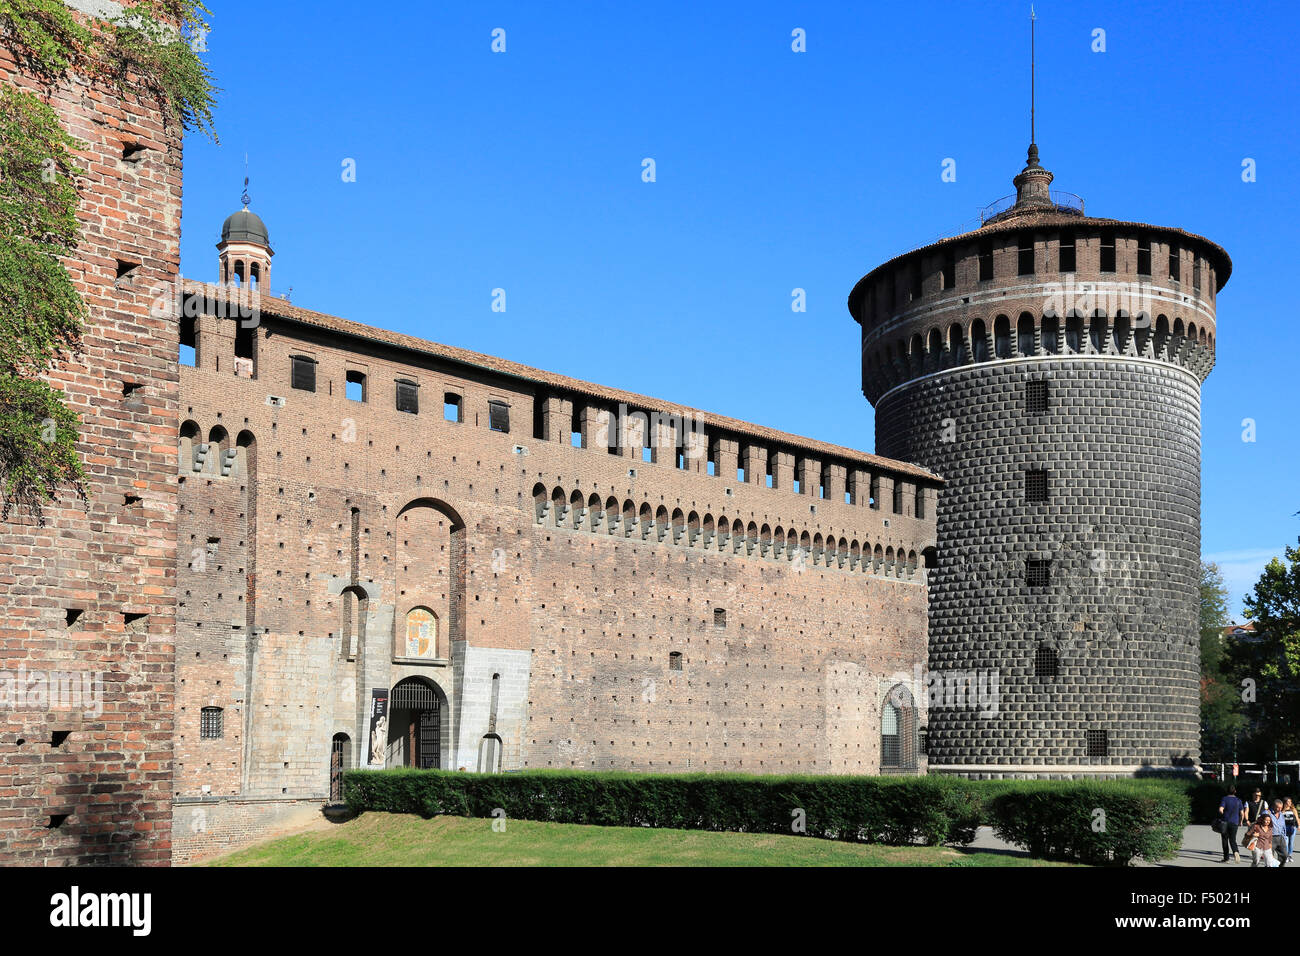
x=775, y=170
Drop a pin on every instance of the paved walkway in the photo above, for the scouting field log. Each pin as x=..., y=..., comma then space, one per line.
x=1201, y=847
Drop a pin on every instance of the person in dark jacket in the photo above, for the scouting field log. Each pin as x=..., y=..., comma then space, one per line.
x=1231, y=813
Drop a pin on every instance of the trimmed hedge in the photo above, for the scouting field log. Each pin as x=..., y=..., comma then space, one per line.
x=890, y=810
x=1109, y=822
x=1053, y=819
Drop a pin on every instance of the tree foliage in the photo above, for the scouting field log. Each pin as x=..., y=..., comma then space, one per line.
x=1269, y=663
x=1220, y=698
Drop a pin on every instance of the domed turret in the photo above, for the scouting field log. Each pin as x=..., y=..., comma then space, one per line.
x=244, y=252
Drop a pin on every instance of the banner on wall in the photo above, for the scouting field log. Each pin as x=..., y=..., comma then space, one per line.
x=378, y=728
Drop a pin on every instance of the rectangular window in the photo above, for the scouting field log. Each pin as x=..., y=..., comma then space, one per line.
x=356, y=386
x=920, y=502
x=499, y=417
x=1196, y=274
x=1045, y=664
x=302, y=373
x=898, y=497
x=1098, y=745
x=1035, y=485
x=1067, y=252
x=1144, y=257
x=1038, y=572
x=1036, y=397
x=1107, y=252
x=986, y=261
x=451, y=407
x=1175, y=262
x=1025, y=256
x=916, y=280
x=949, y=274
x=210, y=723
x=675, y=661
x=408, y=397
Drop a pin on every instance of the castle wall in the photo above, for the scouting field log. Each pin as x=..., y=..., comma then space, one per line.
x=91, y=593
x=560, y=579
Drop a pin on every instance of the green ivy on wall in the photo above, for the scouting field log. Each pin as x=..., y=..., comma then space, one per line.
x=149, y=50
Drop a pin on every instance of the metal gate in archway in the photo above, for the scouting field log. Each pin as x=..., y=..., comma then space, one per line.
x=424, y=732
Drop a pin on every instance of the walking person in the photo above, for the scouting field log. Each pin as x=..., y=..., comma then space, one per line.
x=1255, y=806
x=1290, y=823
x=1259, y=841
x=1278, y=821
x=1231, y=812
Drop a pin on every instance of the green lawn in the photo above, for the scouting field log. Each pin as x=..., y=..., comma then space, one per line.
x=388, y=839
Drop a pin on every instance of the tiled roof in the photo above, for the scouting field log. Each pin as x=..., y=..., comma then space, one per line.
x=284, y=310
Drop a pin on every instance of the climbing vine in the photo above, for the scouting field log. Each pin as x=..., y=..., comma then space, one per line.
x=147, y=50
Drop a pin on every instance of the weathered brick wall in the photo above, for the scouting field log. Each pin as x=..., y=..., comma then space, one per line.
x=96, y=789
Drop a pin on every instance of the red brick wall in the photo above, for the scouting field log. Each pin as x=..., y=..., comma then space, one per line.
x=110, y=774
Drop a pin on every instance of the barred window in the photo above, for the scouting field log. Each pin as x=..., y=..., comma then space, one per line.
x=1036, y=397
x=1045, y=661
x=499, y=416
x=210, y=724
x=719, y=617
x=1038, y=573
x=1035, y=485
x=1098, y=745
x=302, y=373
x=408, y=397
x=675, y=661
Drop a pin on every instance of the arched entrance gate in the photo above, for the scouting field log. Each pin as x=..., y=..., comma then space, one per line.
x=415, y=724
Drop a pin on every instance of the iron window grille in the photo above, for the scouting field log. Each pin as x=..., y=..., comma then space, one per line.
x=1098, y=744
x=499, y=417
x=1045, y=661
x=1035, y=485
x=1038, y=573
x=210, y=723
x=1036, y=397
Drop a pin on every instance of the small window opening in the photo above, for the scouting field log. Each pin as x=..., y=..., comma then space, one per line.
x=986, y=261
x=719, y=617
x=1038, y=572
x=1036, y=397
x=1107, y=252
x=1175, y=261
x=407, y=397
x=302, y=373
x=675, y=661
x=356, y=385
x=72, y=615
x=1035, y=485
x=1144, y=257
x=451, y=407
x=210, y=723
x=1067, y=252
x=1025, y=256
x=499, y=417
x=1045, y=662
x=133, y=152
x=1098, y=745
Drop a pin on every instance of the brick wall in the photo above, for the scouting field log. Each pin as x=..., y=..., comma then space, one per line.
x=92, y=592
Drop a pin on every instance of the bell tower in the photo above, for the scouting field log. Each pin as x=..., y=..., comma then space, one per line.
x=244, y=252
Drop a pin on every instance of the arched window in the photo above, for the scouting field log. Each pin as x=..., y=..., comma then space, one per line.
x=979, y=342
x=1051, y=328
x=1025, y=334
x=189, y=433
x=355, y=607
x=898, y=724
x=1002, y=337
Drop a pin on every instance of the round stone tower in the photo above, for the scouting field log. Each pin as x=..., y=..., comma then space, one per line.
x=1048, y=365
